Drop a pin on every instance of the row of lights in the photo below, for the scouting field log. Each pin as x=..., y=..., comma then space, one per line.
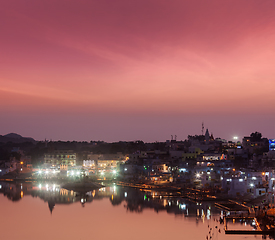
x=114, y=172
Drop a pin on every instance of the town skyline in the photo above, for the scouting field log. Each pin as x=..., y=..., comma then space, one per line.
x=12, y=136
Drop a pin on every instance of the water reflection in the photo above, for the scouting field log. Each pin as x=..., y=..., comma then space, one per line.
x=15, y=191
x=128, y=205
x=137, y=201
x=134, y=200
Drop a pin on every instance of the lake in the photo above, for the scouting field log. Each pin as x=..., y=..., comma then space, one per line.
x=47, y=211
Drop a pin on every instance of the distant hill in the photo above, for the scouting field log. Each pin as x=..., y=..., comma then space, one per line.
x=15, y=138
x=13, y=135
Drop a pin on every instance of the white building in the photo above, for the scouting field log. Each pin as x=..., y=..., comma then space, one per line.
x=62, y=158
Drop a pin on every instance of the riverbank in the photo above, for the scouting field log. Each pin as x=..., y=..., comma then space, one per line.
x=175, y=189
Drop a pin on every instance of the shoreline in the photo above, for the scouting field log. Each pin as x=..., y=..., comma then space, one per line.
x=179, y=190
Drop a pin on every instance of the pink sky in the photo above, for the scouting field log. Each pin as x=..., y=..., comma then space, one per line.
x=127, y=70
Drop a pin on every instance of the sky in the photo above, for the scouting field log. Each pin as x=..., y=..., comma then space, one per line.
x=129, y=70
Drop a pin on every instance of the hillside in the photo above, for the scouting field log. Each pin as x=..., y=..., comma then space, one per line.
x=15, y=138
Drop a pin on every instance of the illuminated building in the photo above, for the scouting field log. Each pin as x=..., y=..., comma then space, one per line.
x=61, y=157
x=271, y=144
x=105, y=161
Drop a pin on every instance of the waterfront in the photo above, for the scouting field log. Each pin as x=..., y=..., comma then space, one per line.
x=47, y=211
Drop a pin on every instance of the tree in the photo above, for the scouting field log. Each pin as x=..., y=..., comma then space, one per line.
x=256, y=137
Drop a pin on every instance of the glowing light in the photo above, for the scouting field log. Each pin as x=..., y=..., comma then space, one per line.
x=198, y=175
x=114, y=171
x=183, y=206
x=251, y=185
x=125, y=194
x=21, y=163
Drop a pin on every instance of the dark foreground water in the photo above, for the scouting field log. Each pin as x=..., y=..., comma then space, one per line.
x=46, y=211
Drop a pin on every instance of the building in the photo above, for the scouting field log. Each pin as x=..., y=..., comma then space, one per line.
x=251, y=144
x=271, y=144
x=60, y=158
x=192, y=154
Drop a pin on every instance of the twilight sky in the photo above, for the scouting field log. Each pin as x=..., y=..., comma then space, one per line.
x=128, y=70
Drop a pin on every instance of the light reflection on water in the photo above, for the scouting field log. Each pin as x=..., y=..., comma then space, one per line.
x=46, y=210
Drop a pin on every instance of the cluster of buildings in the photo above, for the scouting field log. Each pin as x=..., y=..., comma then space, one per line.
x=16, y=165
x=234, y=167
x=64, y=163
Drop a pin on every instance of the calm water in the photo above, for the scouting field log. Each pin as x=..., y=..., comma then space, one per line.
x=46, y=211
